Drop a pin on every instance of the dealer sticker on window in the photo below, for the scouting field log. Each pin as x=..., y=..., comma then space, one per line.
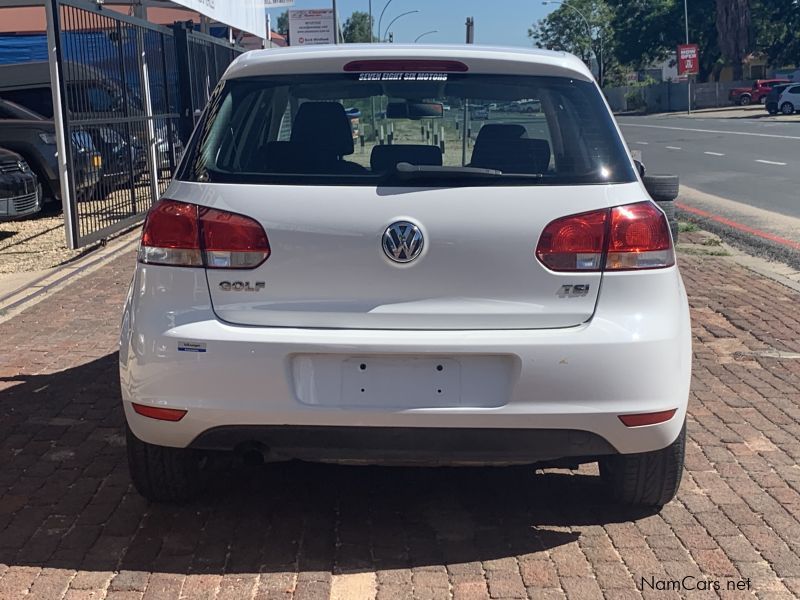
x=402, y=76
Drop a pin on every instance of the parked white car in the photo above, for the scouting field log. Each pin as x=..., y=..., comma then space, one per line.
x=301, y=298
x=789, y=100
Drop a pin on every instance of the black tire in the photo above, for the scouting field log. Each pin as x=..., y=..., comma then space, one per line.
x=669, y=210
x=648, y=479
x=163, y=474
x=662, y=188
x=787, y=108
x=744, y=100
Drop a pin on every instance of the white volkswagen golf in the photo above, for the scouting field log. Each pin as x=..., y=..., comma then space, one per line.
x=344, y=271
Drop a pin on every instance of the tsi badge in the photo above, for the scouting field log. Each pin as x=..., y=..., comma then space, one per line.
x=573, y=291
x=242, y=286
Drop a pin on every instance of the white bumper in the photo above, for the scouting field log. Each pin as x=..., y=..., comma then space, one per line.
x=634, y=356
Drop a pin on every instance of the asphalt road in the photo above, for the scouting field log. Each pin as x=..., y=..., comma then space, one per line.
x=753, y=161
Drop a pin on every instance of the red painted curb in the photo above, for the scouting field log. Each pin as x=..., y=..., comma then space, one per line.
x=741, y=227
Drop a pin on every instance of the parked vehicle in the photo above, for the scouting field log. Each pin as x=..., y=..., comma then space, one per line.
x=480, y=113
x=757, y=93
x=292, y=303
x=90, y=94
x=34, y=137
x=771, y=102
x=20, y=192
x=789, y=100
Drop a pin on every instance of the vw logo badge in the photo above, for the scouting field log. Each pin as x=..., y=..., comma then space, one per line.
x=402, y=241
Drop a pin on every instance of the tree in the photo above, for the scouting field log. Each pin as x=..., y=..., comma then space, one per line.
x=648, y=32
x=776, y=30
x=733, y=33
x=357, y=28
x=282, y=26
x=583, y=28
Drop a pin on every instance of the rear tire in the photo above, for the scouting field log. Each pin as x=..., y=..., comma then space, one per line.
x=648, y=479
x=744, y=100
x=163, y=474
x=787, y=108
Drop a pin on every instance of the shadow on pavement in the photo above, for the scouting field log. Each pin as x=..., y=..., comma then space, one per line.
x=67, y=501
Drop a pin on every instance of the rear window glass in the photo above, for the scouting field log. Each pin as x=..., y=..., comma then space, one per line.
x=407, y=129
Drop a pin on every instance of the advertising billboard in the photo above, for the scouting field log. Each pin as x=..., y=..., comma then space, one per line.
x=246, y=15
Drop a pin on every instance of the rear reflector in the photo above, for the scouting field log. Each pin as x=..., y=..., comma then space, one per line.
x=629, y=237
x=187, y=235
x=161, y=414
x=405, y=66
x=641, y=419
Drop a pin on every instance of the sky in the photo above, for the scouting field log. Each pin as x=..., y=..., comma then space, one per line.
x=497, y=22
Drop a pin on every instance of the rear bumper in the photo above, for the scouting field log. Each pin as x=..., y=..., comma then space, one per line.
x=634, y=356
x=407, y=445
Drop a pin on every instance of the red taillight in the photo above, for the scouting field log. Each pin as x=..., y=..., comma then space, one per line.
x=171, y=235
x=404, y=66
x=161, y=414
x=633, y=236
x=639, y=238
x=641, y=419
x=574, y=243
x=187, y=235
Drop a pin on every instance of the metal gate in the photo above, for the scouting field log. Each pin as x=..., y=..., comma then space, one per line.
x=129, y=93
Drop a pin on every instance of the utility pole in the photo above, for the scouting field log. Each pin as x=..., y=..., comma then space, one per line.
x=688, y=76
x=335, y=23
x=470, y=30
x=371, y=24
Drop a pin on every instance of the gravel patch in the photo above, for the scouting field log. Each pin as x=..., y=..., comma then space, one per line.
x=34, y=244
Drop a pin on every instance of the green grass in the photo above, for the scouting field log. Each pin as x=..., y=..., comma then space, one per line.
x=712, y=242
x=685, y=227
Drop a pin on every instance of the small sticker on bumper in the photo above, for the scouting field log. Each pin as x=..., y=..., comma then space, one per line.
x=191, y=347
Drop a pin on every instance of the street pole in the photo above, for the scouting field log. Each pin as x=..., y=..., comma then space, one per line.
x=335, y=23
x=688, y=76
x=371, y=24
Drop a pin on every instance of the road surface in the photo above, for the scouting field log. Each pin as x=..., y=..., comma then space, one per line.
x=749, y=160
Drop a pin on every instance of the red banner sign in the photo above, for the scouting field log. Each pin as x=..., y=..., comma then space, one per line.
x=688, y=59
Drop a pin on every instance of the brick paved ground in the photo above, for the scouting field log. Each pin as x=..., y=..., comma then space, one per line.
x=72, y=527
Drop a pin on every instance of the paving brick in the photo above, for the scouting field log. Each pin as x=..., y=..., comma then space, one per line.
x=71, y=525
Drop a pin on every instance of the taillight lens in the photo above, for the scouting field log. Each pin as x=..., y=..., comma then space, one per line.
x=187, y=235
x=639, y=238
x=629, y=237
x=574, y=243
x=171, y=235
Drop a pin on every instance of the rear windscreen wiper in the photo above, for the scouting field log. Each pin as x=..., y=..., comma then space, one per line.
x=408, y=171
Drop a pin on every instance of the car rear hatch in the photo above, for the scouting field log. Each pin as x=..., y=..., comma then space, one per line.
x=477, y=268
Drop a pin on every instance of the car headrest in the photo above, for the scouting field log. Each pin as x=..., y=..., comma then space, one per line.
x=500, y=131
x=385, y=158
x=521, y=155
x=323, y=127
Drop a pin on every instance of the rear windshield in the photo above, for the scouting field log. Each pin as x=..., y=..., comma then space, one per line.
x=407, y=129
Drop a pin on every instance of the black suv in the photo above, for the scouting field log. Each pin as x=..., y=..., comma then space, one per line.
x=34, y=137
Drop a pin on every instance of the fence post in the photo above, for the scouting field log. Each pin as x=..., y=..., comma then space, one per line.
x=186, y=109
x=144, y=75
x=61, y=121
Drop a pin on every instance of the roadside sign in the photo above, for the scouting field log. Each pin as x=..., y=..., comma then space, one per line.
x=311, y=27
x=688, y=60
x=277, y=3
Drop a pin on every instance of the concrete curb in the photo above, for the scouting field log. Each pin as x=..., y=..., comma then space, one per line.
x=39, y=285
